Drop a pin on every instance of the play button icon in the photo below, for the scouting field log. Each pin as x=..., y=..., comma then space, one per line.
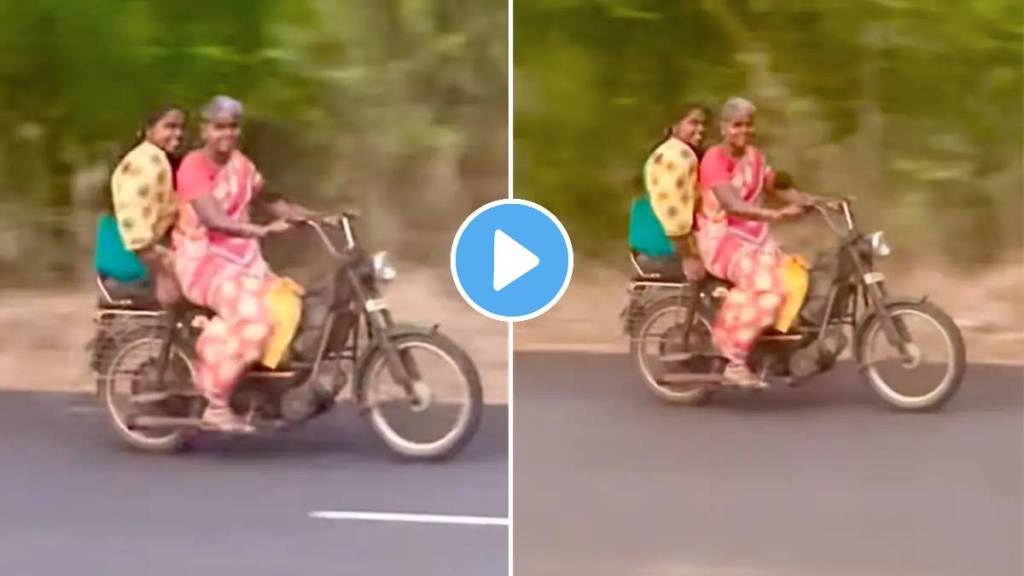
x=511, y=260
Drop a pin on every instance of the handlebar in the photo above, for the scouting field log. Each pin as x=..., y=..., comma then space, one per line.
x=343, y=221
x=831, y=203
x=826, y=206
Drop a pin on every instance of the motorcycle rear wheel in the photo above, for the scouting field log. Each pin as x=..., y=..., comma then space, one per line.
x=659, y=333
x=134, y=365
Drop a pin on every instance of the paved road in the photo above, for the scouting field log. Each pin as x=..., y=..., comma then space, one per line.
x=72, y=501
x=821, y=480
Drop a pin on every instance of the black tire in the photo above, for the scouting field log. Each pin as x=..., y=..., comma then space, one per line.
x=697, y=394
x=457, y=439
x=110, y=339
x=171, y=442
x=953, y=377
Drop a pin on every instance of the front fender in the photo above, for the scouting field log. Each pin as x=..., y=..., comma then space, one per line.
x=889, y=302
x=402, y=329
x=364, y=361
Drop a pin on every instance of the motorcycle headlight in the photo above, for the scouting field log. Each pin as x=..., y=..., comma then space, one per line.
x=383, y=269
x=879, y=246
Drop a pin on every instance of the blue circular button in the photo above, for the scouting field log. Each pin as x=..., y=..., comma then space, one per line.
x=511, y=260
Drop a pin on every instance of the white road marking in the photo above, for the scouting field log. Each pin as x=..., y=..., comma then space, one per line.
x=410, y=518
x=83, y=409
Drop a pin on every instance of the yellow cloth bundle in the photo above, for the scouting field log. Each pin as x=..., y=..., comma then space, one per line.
x=795, y=279
x=284, y=302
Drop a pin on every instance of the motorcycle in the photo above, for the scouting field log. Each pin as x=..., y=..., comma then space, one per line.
x=670, y=321
x=419, y=389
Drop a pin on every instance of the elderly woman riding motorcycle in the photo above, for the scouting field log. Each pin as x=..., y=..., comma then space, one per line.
x=217, y=256
x=734, y=239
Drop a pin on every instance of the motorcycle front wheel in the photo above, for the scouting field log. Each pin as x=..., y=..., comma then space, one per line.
x=446, y=406
x=927, y=373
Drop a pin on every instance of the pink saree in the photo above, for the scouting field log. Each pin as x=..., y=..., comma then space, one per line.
x=739, y=250
x=202, y=256
x=719, y=235
x=224, y=273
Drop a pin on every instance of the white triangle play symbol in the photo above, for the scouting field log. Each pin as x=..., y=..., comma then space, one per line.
x=511, y=260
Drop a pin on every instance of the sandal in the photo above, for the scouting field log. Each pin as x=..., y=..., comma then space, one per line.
x=220, y=418
x=739, y=375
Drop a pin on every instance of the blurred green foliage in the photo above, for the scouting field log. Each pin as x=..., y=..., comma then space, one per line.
x=914, y=106
x=396, y=105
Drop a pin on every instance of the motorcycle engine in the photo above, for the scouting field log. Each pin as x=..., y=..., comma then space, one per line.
x=832, y=345
x=806, y=361
x=314, y=395
x=819, y=355
x=251, y=398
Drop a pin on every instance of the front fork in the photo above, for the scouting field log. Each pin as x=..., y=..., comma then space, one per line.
x=875, y=296
x=400, y=363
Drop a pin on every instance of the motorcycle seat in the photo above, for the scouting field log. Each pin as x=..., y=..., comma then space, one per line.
x=137, y=296
x=652, y=269
x=126, y=295
x=667, y=270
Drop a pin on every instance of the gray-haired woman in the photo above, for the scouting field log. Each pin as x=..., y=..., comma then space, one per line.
x=218, y=260
x=734, y=240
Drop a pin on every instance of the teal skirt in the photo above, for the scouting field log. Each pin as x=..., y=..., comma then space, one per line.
x=111, y=258
x=646, y=235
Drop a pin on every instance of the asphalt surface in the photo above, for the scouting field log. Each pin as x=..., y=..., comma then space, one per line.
x=74, y=501
x=817, y=480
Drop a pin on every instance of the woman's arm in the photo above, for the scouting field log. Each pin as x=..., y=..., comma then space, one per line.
x=736, y=206
x=782, y=186
x=716, y=174
x=276, y=205
x=156, y=258
x=195, y=185
x=693, y=266
x=213, y=217
x=281, y=208
x=160, y=263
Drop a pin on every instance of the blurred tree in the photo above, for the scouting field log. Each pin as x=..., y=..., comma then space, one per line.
x=399, y=104
x=914, y=105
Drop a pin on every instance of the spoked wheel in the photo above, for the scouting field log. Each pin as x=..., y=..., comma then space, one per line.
x=445, y=409
x=129, y=389
x=927, y=372
x=664, y=360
